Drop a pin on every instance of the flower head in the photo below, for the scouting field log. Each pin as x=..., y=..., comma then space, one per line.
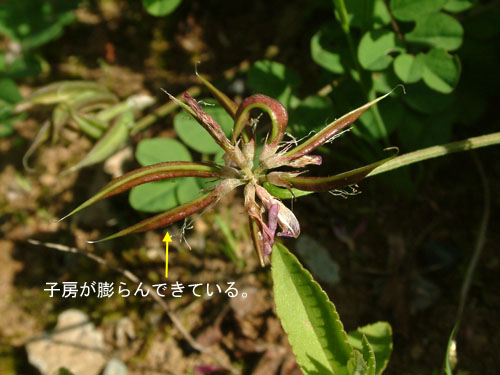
x=266, y=212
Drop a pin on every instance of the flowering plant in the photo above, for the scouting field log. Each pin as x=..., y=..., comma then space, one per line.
x=263, y=181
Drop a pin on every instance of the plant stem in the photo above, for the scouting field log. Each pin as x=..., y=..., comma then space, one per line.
x=436, y=151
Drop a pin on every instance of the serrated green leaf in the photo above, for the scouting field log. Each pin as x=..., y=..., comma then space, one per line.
x=368, y=356
x=441, y=70
x=375, y=48
x=409, y=68
x=273, y=79
x=160, y=8
x=159, y=150
x=437, y=30
x=310, y=320
x=410, y=10
x=357, y=365
x=457, y=6
x=193, y=134
x=379, y=336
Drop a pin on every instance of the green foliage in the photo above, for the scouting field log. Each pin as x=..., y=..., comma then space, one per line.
x=437, y=30
x=9, y=96
x=314, y=329
x=160, y=8
x=162, y=195
x=89, y=106
x=33, y=23
x=29, y=24
x=193, y=135
x=411, y=10
x=364, y=54
x=376, y=48
x=273, y=79
x=379, y=336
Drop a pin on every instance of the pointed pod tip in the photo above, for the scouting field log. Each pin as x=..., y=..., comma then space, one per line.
x=65, y=217
x=167, y=238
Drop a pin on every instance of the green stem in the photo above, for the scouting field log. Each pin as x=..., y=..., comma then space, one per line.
x=160, y=112
x=436, y=151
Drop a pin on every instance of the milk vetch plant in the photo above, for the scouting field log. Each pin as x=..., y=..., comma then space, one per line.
x=262, y=181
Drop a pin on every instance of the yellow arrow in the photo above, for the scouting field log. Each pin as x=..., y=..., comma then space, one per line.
x=166, y=239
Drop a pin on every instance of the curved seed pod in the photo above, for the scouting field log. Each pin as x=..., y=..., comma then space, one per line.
x=60, y=116
x=111, y=141
x=168, y=217
x=134, y=103
x=328, y=132
x=90, y=126
x=230, y=106
x=61, y=112
x=95, y=101
x=277, y=113
x=41, y=137
x=156, y=172
x=58, y=92
x=333, y=182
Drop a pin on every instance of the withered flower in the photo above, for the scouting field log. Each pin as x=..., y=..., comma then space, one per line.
x=265, y=210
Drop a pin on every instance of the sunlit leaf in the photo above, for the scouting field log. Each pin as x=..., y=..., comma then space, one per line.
x=441, y=71
x=437, y=30
x=379, y=336
x=192, y=134
x=409, y=68
x=310, y=320
x=376, y=47
x=410, y=10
